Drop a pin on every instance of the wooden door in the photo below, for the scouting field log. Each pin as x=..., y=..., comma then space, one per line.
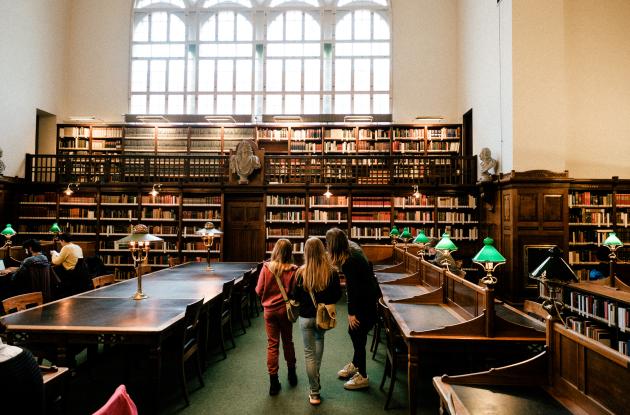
x=244, y=238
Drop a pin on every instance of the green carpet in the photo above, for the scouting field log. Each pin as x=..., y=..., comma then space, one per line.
x=240, y=383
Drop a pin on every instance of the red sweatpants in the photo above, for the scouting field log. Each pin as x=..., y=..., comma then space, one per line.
x=278, y=325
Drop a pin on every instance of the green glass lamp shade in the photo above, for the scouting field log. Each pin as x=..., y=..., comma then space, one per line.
x=612, y=241
x=421, y=238
x=8, y=231
x=54, y=228
x=394, y=232
x=406, y=234
x=554, y=269
x=489, y=254
x=445, y=243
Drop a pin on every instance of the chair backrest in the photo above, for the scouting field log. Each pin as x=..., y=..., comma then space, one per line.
x=391, y=330
x=120, y=403
x=22, y=302
x=103, y=280
x=81, y=276
x=228, y=288
x=191, y=323
x=42, y=278
x=535, y=309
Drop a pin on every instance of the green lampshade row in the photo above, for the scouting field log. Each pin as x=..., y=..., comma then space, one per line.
x=489, y=253
x=446, y=244
x=612, y=240
x=394, y=231
x=8, y=231
x=406, y=234
x=54, y=228
x=421, y=238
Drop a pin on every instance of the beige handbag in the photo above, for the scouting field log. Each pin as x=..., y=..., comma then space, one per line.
x=325, y=314
x=293, y=307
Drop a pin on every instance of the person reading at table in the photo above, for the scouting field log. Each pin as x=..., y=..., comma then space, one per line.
x=65, y=261
x=317, y=282
x=35, y=259
x=21, y=382
x=277, y=323
x=363, y=293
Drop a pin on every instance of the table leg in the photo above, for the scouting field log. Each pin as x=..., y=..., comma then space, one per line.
x=412, y=377
x=155, y=359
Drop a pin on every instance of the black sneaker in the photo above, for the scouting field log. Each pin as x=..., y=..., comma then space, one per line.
x=274, y=385
x=292, y=377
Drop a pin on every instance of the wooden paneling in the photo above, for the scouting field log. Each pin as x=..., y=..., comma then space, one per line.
x=527, y=208
x=244, y=229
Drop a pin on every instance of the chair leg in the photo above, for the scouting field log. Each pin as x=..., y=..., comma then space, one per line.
x=392, y=381
x=199, y=370
x=183, y=379
x=221, y=330
x=384, y=373
x=231, y=331
x=242, y=318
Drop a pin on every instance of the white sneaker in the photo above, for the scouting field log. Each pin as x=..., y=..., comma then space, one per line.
x=348, y=371
x=357, y=382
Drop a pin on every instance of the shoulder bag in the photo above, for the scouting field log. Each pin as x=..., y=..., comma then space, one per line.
x=325, y=314
x=293, y=307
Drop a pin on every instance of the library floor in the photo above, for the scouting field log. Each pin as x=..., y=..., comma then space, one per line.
x=239, y=384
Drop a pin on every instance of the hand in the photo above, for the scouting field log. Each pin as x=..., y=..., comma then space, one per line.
x=353, y=322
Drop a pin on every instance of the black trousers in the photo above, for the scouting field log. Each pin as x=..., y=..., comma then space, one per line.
x=359, y=341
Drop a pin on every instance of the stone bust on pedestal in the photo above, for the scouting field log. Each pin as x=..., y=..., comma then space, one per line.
x=244, y=161
x=487, y=165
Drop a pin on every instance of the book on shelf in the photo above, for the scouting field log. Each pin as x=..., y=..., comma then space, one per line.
x=588, y=198
x=283, y=200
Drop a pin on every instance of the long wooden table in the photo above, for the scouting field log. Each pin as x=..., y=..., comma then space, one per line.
x=108, y=315
x=436, y=309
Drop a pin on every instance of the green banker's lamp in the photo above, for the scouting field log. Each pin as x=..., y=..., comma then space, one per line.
x=8, y=232
x=406, y=236
x=554, y=273
x=139, y=242
x=489, y=258
x=446, y=246
x=55, y=230
x=421, y=240
x=208, y=233
x=613, y=243
x=394, y=234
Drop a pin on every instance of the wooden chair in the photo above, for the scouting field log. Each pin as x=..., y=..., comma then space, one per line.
x=535, y=310
x=22, y=302
x=103, y=280
x=225, y=315
x=378, y=328
x=254, y=300
x=396, y=350
x=190, y=343
x=241, y=301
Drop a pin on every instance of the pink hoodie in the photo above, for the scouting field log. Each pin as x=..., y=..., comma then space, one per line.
x=267, y=287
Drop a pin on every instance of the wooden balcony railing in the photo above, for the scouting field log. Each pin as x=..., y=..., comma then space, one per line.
x=278, y=169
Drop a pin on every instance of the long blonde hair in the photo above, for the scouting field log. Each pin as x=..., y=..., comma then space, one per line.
x=317, y=270
x=281, y=256
x=338, y=246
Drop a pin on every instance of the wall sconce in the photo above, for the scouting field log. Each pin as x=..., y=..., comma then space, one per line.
x=152, y=119
x=358, y=118
x=139, y=245
x=220, y=119
x=489, y=258
x=613, y=243
x=416, y=192
x=69, y=191
x=208, y=233
x=429, y=118
x=155, y=190
x=327, y=193
x=287, y=118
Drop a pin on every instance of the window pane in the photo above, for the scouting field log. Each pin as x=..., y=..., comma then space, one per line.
x=312, y=49
x=342, y=104
x=243, y=75
x=158, y=76
x=205, y=104
x=158, y=26
x=362, y=103
x=343, y=49
x=178, y=29
x=312, y=30
x=311, y=75
x=226, y=49
x=342, y=74
x=176, y=72
x=156, y=104
x=141, y=29
x=292, y=104
x=244, y=29
x=311, y=104
x=381, y=27
x=294, y=25
x=275, y=30
x=380, y=49
x=175, y=104
x=274, y=75
x=225, y=76
x=381, y=74
x=292, y=75
x=243, y=104
x=177, y=50
x=273, y=104
x=226, y=25
x=138, y=104
x=343, y=28
x=327, y=104
x=361, y=74
x=381, y=103
x=206, y=75
x=192, y=67
x=362, y=24
x=208, y=50
x=190, y=104
x=160, y=51
x=208, y=29
x=139, y=74
x=224, y=104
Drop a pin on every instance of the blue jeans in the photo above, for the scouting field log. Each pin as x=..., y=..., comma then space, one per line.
x=313, y=351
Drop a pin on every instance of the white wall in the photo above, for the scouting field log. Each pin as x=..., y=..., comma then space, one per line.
x=33, y=39
x=598, y=79
x=424, y=36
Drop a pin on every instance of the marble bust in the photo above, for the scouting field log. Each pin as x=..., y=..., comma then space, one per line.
x=244, y=161
x=2, y=165
x=488, y=165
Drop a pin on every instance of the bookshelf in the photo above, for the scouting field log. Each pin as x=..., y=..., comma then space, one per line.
x=285, y=217
x=118, y=213
x=37, y=212
x=205, y=140
x=305, y=140
x=370, y=219
x=197, y=209
x=325, y=213
x=340, y=140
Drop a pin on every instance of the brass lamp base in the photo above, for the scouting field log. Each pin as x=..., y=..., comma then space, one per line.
x=139, y=296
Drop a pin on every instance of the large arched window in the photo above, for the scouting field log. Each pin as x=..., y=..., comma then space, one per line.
x=260, y=57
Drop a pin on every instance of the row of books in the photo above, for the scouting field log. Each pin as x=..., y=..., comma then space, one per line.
x=599, y=217
x=371, y=202
x=158, y=213
x=209, y=214
x=443, y=146
x=79, y=213
x=107, y=132
x=339, y=133
x=378, y=134
x=298, y=247
x=416, y=216
x=464, y=201
x=575, y=257
x=589, y=329
x=306, y=133
x=411, y=201
x=408, y=133
x=203, y=200
x=370, y=216
x=292, y=216
x=77, y=199
x=74, y=132
x=588, y=305
x=444, y=132
x=344, y=147
x=306, y=147
x=276, y=200
x=588, y=198
x=470, y=234
x=273, y=134
x=173, y=133
x=328, y=215
x=408, y=146
x=284, y=232
x=369, y=232
x=373, y=146
x=592, y=236
x=38, y=211
x=161, y=199
x=622, y=199
x=456, y=217
x=341, y=201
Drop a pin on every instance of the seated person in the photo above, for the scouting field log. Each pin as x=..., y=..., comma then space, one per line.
x=65, y=262
x=21, y=381
x=35, y=258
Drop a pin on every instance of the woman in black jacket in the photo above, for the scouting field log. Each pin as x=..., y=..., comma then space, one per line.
x=316, y=277
x=362, y=290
